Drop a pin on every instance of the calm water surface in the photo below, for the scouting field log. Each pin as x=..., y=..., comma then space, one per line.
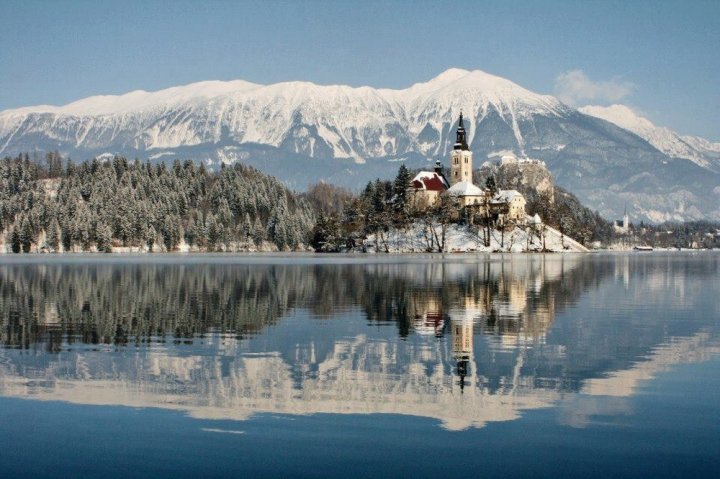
x=329, y=366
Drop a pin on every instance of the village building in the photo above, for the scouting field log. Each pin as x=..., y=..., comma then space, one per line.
x=508, y=206
x=427, y=186
x=467, y=194
x=510, y=159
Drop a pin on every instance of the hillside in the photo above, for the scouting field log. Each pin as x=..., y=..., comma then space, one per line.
x=121, y=205
x=698, y=150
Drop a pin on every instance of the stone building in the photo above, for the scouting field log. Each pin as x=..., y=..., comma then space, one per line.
x=508, y=206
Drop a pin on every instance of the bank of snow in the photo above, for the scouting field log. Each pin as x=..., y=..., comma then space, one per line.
x=462, y=238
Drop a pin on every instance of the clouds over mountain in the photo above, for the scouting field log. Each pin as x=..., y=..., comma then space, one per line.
x=576, y=88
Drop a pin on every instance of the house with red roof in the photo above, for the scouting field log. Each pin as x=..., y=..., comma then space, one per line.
x=427, y=186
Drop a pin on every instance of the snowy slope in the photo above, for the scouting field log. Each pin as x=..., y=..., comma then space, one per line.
x=698, y=150
x=302, y=132
x=315, y=120
x=460, y=239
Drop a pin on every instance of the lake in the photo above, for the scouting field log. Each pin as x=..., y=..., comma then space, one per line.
x=594, y=365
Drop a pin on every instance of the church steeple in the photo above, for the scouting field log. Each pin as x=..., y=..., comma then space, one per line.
x=461, y=139
x=460, y=157
x=626, y=219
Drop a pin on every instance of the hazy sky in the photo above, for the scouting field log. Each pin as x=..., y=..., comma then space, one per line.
x=660, y=57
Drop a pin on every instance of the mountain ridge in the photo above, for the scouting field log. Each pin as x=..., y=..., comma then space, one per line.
x=698, y=150
x=303, y=132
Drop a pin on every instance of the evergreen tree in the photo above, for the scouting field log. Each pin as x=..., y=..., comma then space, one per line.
x=103, y=235
x=52, y=238
x=258, y=232
x=326, y=234
x=26, y=234
x=213, y=232
x=170, y=232
x=66, y=236
x=491, y=185
x=150, y=236
x=247, y=229
x=401, y=216
x=14, y=240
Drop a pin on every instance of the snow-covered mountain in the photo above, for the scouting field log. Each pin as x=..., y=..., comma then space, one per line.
x=302, y=132
x=693, y=148
x=315, y=120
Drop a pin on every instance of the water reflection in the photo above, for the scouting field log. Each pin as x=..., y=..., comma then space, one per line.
x=461, y=341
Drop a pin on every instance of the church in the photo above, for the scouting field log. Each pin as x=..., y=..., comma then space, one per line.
x=622, y=226
x=428, y=186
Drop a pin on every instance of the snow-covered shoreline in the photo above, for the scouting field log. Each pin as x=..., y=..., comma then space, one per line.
x=419, y=238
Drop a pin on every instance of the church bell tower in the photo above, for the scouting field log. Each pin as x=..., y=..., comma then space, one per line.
x=461, y=157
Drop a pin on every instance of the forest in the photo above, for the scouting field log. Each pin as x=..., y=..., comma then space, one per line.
x=54, y=205
x=97, y=205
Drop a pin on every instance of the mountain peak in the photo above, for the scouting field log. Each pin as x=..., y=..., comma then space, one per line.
x=297, y=129
x=458, y=77
x=451, y=74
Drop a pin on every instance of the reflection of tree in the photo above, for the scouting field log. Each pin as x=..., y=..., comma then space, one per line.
x=129, y=303
x=463, y=379
x=507, y=298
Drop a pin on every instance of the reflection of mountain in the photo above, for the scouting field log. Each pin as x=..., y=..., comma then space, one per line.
x=577, y=333
x=359, y=376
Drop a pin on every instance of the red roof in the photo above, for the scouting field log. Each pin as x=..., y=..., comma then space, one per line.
x=429, y=181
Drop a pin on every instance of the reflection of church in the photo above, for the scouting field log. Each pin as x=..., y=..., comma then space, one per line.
x=462, y=348
x=427, y=315
x=498, y=302
x=305, y=366
x=504, y=303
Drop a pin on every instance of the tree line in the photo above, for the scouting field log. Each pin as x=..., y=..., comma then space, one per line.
x=57, y=205
x=98, y=205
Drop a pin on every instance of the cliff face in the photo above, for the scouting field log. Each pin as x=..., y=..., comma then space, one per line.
x=529, y=177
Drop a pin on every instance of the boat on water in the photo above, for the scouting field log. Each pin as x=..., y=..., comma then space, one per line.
x=642, y=248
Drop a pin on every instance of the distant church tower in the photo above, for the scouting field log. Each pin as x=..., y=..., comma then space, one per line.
x=461, y=157
x=623, y=226
x=626, y=220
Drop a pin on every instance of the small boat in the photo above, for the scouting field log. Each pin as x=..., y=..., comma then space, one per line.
x=642, y=248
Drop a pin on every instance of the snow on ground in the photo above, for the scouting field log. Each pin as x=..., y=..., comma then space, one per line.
x=460, y=238
x=417, y=238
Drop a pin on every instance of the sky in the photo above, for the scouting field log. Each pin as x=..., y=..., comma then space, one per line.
x=661, y=58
